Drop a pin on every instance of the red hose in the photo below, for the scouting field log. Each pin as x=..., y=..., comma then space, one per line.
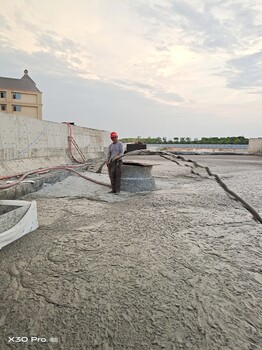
x=43, y=170
x=70, y=144
x=39, y=171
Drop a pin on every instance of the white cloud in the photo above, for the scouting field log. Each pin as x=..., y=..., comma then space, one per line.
x=184, y=62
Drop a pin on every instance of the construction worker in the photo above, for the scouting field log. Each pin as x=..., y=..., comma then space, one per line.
x=114, y=162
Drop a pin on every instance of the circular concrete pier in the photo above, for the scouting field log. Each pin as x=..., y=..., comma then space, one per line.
x=137, y=177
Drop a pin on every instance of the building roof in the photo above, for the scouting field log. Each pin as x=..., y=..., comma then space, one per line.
x=23, y=84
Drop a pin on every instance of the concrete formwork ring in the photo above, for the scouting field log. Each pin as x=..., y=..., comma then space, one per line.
x=137, y=177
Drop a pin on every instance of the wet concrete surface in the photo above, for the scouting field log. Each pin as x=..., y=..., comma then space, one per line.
x=176, y=268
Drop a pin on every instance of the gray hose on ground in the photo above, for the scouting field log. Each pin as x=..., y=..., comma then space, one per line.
x=170, y=156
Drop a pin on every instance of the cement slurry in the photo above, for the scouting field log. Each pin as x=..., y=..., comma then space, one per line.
x=176, y=268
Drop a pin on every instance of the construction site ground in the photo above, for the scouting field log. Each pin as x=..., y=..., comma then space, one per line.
x=176, y=268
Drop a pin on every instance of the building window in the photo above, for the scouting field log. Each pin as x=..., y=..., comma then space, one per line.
x=16, y=108
x=16, y=96
x=3, y=107
x=2, y=94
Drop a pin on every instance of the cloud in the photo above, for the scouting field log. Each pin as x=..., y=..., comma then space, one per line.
x=155, y=93
x=206, y=30
x=101, y=105
x=52, y=42
x=246, y=16
x=245, y=72
x=144, y=67
x=4, y=23
x=168, y=96
x=208, y=25
x=163, y=47
x=255, y=92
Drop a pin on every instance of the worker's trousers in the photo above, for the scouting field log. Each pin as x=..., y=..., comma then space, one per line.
x=115, y=173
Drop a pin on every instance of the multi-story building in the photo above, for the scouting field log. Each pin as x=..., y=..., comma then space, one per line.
x=20, y=97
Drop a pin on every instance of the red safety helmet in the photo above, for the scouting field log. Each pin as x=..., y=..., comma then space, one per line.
x=113, y=134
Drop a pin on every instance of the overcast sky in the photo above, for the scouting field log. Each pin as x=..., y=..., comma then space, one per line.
x=173, y=68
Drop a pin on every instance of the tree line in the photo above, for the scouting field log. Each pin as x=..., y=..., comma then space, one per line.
x=237, y=140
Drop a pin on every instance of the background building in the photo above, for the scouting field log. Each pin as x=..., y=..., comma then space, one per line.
x=20, y=97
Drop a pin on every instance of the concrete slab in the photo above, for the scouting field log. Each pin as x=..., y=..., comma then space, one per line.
x=175, y=268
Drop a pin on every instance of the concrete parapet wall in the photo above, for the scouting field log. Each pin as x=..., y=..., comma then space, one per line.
x=255, y=146
x=27, y=143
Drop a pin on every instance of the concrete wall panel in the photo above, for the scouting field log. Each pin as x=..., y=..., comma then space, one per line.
x=255, y=146
x=44, y=142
